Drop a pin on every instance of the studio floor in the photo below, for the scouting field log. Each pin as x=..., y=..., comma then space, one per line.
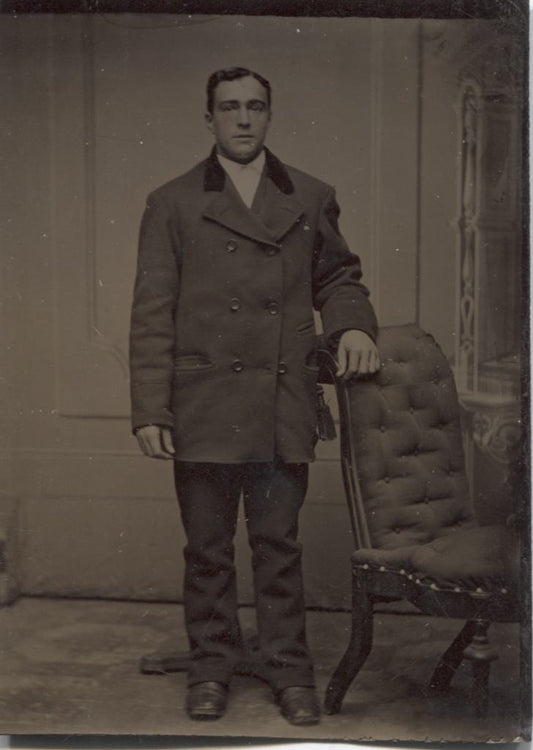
x=71, y=667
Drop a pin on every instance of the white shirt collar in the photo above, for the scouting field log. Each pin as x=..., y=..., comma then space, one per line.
x=245, y=177
x=234, y=167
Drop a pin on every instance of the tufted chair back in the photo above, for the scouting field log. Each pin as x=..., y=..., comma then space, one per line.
x=415, y=534
x=406, y=443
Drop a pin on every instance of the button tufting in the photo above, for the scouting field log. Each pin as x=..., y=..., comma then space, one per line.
x=231, y=246
x=237, y=365
x=386, y=480
x=382, y=428
x=397, y=530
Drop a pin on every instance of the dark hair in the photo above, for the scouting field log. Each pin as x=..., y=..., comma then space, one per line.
x=233, y=74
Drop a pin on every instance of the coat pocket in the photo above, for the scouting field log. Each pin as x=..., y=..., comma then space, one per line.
x=192, y=363
x=306, y=328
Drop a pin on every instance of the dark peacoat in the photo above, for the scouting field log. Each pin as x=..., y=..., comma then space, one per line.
x=222, y=328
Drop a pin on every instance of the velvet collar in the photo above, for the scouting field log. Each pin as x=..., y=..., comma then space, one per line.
x=215, y=177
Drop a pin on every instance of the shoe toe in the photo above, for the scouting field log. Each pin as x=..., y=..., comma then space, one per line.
x=300, y=706
x=207, y=701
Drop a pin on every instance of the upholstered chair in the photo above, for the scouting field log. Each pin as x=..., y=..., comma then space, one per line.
x=414, y=529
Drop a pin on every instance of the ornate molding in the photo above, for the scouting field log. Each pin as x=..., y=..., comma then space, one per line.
x=488, y=219
x=484, y=51
x=467, y=237
x=495, y=425
x=494, y=63
x=498, y=435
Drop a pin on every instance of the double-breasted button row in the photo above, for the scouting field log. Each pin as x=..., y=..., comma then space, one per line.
x=235, y=304
x=237, y=366
x=232, y=245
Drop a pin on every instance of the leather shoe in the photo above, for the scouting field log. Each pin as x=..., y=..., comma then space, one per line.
x=207, y=701
x=299, y=705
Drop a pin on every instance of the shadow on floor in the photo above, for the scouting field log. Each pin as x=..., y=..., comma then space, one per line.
x=72, y=667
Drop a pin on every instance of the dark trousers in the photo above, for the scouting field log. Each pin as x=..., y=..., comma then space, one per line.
x=273, y=494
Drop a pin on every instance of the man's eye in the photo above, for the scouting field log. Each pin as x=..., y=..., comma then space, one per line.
x=228, y=106
x=257, y=106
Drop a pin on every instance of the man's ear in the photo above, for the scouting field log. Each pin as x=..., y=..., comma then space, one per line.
x=209, y=121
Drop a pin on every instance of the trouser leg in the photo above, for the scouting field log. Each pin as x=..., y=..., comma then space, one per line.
x=208, y=496
x=273, y=496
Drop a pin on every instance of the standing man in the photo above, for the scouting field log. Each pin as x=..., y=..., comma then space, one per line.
x=233, y=257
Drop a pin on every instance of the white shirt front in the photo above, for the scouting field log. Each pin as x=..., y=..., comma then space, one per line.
x=245, y=177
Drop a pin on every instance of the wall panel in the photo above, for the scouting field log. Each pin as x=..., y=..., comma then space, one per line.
x=106, y=108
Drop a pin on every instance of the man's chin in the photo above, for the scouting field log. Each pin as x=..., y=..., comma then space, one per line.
x=244, y=155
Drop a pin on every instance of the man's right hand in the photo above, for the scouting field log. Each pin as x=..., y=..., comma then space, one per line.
x=156, y=442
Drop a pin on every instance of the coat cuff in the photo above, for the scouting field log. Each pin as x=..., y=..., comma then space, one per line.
x=149, y=403
x=354, y=314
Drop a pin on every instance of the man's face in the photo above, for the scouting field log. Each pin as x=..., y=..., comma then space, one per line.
x=240, y=118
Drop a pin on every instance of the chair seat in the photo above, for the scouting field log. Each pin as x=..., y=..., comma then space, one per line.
x=478, y=559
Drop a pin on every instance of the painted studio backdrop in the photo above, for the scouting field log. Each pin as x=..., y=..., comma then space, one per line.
x=416, y=123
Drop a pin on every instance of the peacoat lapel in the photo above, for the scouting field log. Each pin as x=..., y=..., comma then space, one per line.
x=278, y=208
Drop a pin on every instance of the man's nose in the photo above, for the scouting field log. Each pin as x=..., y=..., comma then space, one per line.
x=243, y=117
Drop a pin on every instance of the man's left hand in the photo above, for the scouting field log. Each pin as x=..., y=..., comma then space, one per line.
x=357, y=355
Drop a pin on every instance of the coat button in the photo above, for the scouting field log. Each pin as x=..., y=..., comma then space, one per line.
x=235, y=304
x=231, y=246
x=273, y=308
x=282, y=368
x=237, y=365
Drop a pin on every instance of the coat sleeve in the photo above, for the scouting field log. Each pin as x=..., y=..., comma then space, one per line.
x=152, y=330
x=339, y=295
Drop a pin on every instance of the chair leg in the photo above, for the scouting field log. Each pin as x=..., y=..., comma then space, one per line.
x=480, y=653
x=356, y=653
x=452, y=657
